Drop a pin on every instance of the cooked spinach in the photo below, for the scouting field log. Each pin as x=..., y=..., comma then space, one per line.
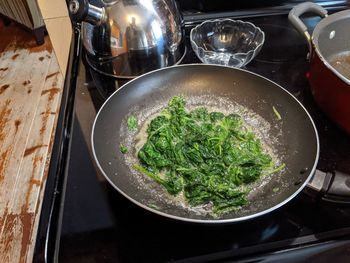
x=277, y=114
x=209, y=156
x=123, y=149
x=132, y=123
x=275, y=189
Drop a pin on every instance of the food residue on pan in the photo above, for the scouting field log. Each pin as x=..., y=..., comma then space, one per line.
x=341, y=62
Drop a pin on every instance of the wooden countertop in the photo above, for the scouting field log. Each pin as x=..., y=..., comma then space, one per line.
x=31, y=85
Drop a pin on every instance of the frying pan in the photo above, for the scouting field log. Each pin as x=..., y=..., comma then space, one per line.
x=293, y=140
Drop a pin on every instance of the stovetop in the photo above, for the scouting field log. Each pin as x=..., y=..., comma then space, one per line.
x=100, y=225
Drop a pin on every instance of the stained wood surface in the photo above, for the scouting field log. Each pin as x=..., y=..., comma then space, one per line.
x=30, y=92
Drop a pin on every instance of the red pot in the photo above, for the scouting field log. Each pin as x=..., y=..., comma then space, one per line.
x=330, y=60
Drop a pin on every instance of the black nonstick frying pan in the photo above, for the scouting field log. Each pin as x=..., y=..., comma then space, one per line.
x=293, y=140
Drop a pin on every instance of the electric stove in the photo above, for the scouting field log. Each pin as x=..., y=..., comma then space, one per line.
x=85, y=220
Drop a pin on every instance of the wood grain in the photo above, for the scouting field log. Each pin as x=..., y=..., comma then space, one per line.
x=61, y=33
x=30, y=92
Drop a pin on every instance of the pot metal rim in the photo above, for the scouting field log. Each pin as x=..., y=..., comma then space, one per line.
x=315, y=35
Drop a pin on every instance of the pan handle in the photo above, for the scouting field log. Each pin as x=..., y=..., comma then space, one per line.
x=299, y=10
x=332, y=187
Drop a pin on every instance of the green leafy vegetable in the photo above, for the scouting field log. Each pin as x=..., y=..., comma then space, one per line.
x=278, y=115
x=209, y=156
x=277, y=169
x=132, y=123
x=123, y=149
x=275, y=189
x=154, y=206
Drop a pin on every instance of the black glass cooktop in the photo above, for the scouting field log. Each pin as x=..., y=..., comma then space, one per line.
x=100, y=225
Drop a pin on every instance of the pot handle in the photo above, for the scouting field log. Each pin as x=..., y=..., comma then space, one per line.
x=332, y=187
x=299, y=10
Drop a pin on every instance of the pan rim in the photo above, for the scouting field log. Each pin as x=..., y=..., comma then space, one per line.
x=210, y=221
